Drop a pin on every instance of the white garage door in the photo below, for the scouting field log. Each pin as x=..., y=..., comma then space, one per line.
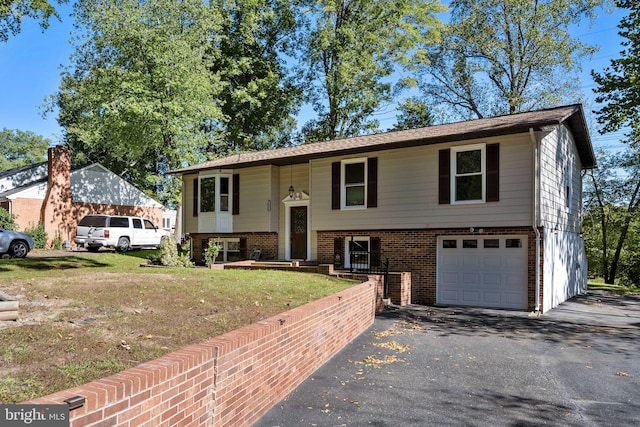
x=487, y=271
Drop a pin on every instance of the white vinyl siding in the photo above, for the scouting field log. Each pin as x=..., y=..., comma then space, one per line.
x=559, y=166
x=190, y=222
x=95, y=184
x=255, y=192
x=408, y=191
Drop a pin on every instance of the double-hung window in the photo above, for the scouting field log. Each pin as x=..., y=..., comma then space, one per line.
x=208, y=194
x=468, y=173
x=354, y=183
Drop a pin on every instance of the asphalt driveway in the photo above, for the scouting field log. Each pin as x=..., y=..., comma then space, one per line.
x=578, y=365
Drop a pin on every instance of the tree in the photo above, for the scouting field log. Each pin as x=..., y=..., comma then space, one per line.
x=505, y=56
x=13, y=12
x=612, y=201
x=139, y=95
x=21, y=148
x=619, y=85
x=350, y=51
x=258, y=99
x=414, y=113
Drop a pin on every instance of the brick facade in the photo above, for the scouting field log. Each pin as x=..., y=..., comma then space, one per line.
x=230, y=380
x=415, y=251
x=266, y=242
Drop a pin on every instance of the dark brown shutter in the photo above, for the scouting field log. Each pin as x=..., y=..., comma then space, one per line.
x=243, y=248
x=335, y=185
x=338, y=252
x=236, y=195
x=444, y=177
x=493, y=174
x=372, y=182
x=375, y=248
x=195, y=197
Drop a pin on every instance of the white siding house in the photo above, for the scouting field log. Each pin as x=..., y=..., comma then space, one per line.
x=484, y=212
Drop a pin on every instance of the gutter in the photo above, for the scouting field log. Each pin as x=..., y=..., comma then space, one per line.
x=534, y=213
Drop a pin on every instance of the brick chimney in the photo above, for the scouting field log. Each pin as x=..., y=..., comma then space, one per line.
x=57, y=212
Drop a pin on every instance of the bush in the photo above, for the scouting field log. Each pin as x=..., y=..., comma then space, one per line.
x=39, y=235
x=7, y=220
x=169, y=256
x=211, y=253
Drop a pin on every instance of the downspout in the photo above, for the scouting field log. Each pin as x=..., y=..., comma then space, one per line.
x=534, y=216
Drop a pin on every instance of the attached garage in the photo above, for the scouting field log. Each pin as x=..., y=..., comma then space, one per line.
x=482, y=271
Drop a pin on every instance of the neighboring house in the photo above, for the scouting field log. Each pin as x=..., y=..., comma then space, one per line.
x=58, y=196
x=482, y=213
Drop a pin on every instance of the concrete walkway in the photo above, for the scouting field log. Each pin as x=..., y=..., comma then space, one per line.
x=578, y=365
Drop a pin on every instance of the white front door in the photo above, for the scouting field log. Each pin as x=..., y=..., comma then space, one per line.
x=483, y=271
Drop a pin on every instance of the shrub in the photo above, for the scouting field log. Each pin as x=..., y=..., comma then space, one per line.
x=39, y=235
x=7, y=220
x=211, y=253
x=169, y=256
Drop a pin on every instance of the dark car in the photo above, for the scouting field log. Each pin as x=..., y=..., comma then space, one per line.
x=15, y=244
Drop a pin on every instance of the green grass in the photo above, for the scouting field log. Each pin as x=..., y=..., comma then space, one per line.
x=77, y=311
x=598, y=284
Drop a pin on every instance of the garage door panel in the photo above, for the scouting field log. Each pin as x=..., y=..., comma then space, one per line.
x=495, y=276
x=492, y=297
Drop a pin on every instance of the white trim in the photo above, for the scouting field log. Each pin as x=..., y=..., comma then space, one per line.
x=301, y=199
x=343, y=192
x=347, y=252
x=216, y=221
x=483, y=171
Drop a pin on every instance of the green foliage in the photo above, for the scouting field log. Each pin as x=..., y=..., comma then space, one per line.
x=350, y=51
x=619, y=85
x=611, y=221
x=12, y=13
x=258, y=100
x=139, y=95
x=20, y=148
x=169, y=255
x=56, y=243
x=414, y=113
x=211, y=253
x=7, y=220
x=39, y=235
x=505, y=56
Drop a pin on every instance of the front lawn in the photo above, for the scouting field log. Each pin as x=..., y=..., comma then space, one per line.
x=86, y=317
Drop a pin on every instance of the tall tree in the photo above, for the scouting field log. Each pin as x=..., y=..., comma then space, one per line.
x=505, y=56
x=139, y=94
x=20, y=148
x=612, y=203
x=350, y=50
x=619, y=85
x=414, y=113
x=258, y=99
x=12, y=13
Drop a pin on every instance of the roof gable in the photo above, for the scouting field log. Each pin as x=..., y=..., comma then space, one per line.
x=571, y=115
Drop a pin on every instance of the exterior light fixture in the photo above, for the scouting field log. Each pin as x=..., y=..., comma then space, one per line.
x=75, y=402
x=292, y=191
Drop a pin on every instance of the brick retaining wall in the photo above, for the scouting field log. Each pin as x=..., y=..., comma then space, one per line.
x=230, y=380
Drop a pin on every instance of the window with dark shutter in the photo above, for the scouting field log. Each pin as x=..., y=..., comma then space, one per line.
x=444, y=177
x=372, y=182
x=236, y=194
x=493, y=173
x=335, y=185
x=375, y=247
x=338, y=252
x=243, y=248
x=195, y=197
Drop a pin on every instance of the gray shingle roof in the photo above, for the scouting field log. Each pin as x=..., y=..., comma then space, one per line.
x=571, y=115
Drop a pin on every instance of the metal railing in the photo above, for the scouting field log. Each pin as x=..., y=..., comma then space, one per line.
x=367, y=262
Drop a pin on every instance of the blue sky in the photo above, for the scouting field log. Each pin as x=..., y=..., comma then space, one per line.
x=31, y=64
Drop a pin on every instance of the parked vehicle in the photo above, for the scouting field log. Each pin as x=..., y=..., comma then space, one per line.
x=15, y=244
x=118, y=232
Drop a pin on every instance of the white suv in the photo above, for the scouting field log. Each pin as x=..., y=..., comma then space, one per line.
x=119, y=232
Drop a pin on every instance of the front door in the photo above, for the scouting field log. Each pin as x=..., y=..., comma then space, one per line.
x=298, y=232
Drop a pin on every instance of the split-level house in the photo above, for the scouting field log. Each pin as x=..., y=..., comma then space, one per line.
x=481, y=213
x=58, y=196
